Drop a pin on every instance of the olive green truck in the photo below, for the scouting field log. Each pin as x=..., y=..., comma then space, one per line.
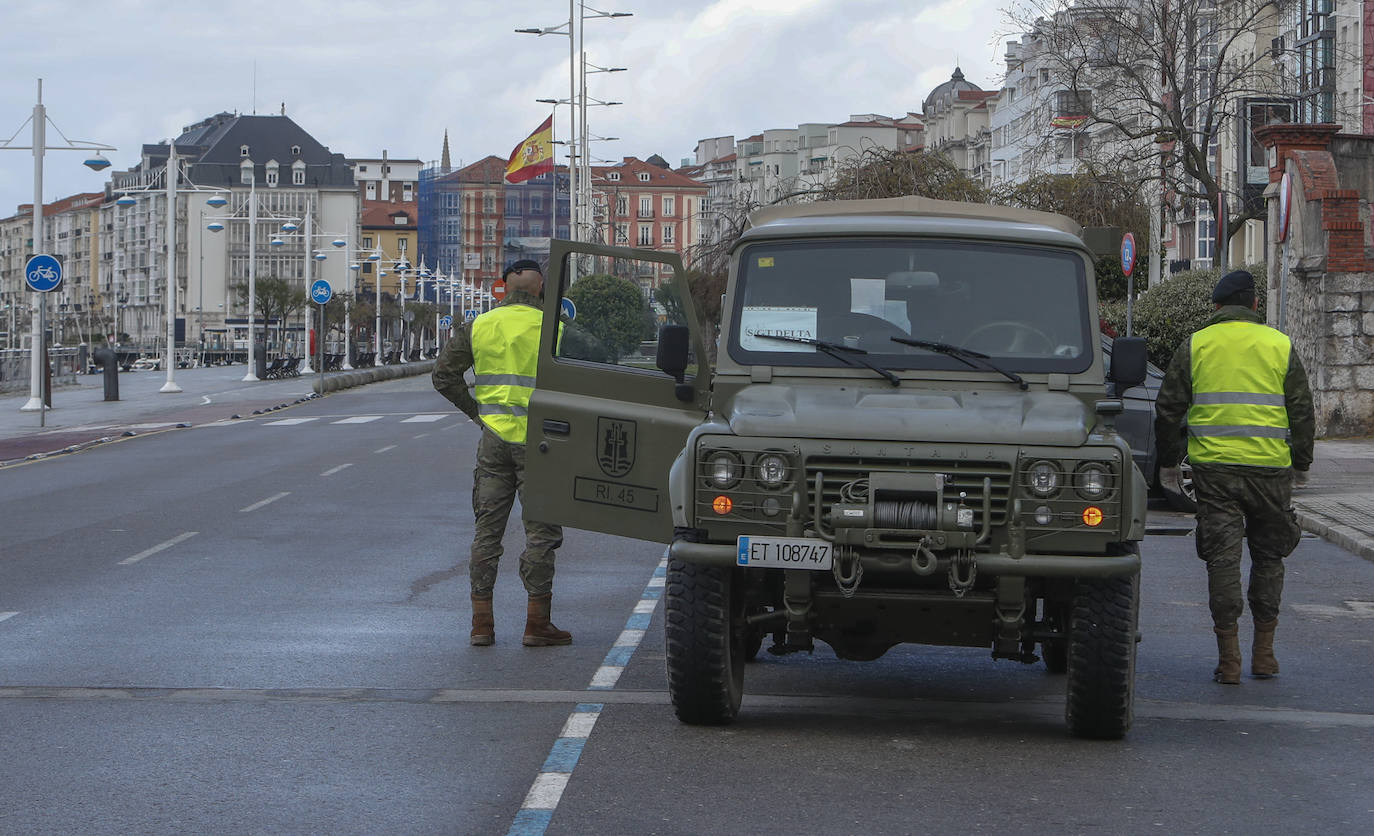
x=903, y=432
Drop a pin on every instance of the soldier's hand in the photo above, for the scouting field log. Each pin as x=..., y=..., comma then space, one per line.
x=1171, y=479
x=1299, y=479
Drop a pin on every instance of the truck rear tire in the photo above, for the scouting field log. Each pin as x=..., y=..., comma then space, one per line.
x=1102, y=651
x=704, y=637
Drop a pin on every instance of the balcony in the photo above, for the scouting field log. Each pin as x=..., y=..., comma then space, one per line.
x=645, y=214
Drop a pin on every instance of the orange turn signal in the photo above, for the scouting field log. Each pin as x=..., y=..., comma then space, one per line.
x=1092, y=515
x=722, y=505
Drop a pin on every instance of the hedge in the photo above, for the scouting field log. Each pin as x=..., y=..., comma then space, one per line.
x=1166, y=314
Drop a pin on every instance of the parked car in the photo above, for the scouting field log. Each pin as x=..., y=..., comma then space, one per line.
x=1137, y=426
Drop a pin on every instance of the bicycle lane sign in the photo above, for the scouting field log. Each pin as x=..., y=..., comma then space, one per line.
x=43, y=273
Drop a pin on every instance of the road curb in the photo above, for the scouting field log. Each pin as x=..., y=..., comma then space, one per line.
x=337, y=381
x=1341, y=535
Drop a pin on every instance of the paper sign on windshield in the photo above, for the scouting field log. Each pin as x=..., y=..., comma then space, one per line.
x=783, y=321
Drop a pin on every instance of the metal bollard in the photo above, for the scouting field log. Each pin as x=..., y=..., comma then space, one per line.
x=109, y=362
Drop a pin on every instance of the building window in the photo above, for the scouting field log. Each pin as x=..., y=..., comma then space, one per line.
x=271, y=176
x=646, y=235
x=243, y=150
x=401, y=244
x=643, y=176
x=613, y=176
x=622, y=233
x=406, y=192
x=488, y=231
x=488, y=203
x=667, y=233
x=295, y=150
x=513, y=205
x=371, y=190
x=622, y=204
x=367, y=242
x=362, y=169
x=400, y=220
x=669, y=205
x=646, y=206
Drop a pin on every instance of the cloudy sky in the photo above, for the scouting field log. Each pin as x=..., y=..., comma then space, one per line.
x=366, y=75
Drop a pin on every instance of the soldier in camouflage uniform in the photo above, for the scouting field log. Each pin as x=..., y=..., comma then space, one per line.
x=1243, y=393
x=501, y=348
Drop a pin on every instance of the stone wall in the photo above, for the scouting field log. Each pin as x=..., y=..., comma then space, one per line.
x=1322, y=272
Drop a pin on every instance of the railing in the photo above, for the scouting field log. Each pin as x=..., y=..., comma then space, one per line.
x=14, y=367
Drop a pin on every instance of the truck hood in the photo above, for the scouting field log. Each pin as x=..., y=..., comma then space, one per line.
x=1031, y=417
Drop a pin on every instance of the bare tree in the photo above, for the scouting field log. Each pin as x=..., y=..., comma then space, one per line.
x=1159, y=83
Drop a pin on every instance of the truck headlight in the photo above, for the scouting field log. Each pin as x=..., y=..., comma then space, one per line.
x=1043, y=478
x=1093, y=481
x=724, y=469
x=771, y=469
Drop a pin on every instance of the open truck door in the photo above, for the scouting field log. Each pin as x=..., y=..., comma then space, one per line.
x=605, y=424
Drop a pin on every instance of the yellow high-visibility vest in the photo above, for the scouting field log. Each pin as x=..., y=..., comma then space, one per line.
x=1237, y=414
x=505, y=352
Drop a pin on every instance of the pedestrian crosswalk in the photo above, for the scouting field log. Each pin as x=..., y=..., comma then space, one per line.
x=423, y=418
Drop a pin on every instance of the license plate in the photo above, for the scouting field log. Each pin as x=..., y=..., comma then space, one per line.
x=784, y=552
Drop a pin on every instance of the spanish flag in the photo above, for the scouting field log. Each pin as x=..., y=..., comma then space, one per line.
x=532, y=157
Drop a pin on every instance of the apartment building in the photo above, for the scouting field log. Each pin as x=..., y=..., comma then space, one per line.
x=77, y=310
x=386, y=179
x=645, y=205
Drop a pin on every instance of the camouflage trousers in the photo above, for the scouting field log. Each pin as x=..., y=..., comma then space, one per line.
x=497, y=479
x=1256, y=507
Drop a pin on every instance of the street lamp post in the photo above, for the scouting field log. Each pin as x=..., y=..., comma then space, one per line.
x=96, y=162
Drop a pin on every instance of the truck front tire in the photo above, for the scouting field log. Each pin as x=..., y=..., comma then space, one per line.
x=704, y=637
x=1102, y=652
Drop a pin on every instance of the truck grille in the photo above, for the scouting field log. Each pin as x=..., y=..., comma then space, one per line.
x=959, y=476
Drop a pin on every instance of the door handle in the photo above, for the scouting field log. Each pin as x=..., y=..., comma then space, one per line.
x=553, y=426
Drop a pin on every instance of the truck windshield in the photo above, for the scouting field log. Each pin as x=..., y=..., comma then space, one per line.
x=1025, y=307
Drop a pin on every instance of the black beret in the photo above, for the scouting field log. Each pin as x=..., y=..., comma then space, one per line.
x=1233, y=282
x=523, y=264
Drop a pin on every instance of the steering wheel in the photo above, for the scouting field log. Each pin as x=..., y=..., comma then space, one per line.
x=1022, y=339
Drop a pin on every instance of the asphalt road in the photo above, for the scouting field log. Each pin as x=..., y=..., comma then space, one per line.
x=260, y=626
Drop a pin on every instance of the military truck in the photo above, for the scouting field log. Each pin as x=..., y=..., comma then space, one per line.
x=905, y=434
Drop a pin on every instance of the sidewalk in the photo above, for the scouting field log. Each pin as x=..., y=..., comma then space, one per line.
x=1338, y=502
x=80, y=415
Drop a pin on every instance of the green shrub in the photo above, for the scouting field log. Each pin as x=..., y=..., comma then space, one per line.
x=1168, y=313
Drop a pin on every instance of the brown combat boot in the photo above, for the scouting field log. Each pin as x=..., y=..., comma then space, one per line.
x=1262, y=661
x=1228, y=656
x=483, y=623
x=539, y=631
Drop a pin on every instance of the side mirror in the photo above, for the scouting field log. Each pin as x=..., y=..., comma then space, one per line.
x=674, y=348
x=1128, y=363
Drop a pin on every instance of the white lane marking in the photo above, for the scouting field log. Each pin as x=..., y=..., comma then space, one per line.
x=629, y=638
x=155, y=426
x=358, y=419
x=384, y=449
x=5, y=615
x=331, y=471
x=421, y=435
x=204, y=400
x=185, y=535
x=288, y=422
x=268, y=501
x=546, y=790
x=423, y=419
x=1352, y=609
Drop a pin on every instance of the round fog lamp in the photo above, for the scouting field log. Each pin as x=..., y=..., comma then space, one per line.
x=1044, y=515
x=772, y=470
x=771, y=507
x=722, y=505
x=1092, y=516
x=1044, y=478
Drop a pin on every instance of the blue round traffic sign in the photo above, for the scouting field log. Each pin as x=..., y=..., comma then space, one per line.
x=1127, y=253
x=43, y=273
x=569, y=309
x=321, y=292
x=445, y=321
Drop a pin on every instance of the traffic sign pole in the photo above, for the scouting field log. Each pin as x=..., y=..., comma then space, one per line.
x=1127, y=267
x=43, y=275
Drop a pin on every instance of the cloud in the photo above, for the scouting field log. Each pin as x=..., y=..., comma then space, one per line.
x=363, y=77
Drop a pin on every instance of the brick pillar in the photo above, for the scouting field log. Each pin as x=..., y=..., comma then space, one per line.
x=1283, y=139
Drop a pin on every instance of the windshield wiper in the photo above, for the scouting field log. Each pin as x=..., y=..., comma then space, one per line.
x=839, y=352
x=965, y=356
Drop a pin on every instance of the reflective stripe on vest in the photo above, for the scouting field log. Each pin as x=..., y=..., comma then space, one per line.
x=1237, y=414
x=505, y=355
